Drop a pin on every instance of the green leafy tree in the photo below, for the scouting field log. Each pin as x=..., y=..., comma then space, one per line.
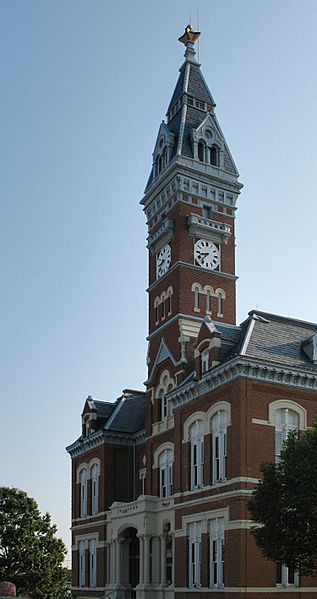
x=31, y=556
x=284, y=504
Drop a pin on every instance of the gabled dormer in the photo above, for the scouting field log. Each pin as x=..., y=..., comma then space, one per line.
x=210, y=147
x=207, y=347
x=163, y=150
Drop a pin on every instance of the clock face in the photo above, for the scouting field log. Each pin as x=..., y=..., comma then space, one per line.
x=207, y=254
x=163, y=260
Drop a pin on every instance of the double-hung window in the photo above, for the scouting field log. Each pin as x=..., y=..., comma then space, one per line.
x=83, y=492
x=94, y=489
x=217, y=553
x=166, y=473
x=81, y=564
x=92, y=564
x=286, y=421
x=196, y=433
x=194, y=554
x=219, y=446
x=286, y=576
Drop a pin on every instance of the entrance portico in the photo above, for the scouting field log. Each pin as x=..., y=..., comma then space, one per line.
x=140, y=548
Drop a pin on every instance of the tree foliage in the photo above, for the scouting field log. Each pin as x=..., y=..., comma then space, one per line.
x=284, y=504
x=31, y=556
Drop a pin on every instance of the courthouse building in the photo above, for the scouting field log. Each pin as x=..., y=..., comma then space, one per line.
x=161, y=478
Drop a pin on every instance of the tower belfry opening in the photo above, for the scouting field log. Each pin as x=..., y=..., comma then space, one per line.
x=162, y=477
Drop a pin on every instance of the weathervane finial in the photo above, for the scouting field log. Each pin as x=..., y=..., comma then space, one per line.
x=189, y=36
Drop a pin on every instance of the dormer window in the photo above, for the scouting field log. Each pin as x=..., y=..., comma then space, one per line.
x=205, y=361
x=208, y=154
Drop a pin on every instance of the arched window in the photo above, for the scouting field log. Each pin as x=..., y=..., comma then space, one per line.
x=196, y=288
x=220, y=295
x=166, y=473
x=169, y=300
x=205, y=361
x=214, y=156
x=156, y=310
x=208, y=301
x=196, y=436
x=94, y=475
x=165, y=386
x=83, y=492
x=286, y=421
x=201, y=151
x=218, y=425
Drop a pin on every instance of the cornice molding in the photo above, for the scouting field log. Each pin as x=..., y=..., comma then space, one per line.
x=240, y=367
x=82, y=445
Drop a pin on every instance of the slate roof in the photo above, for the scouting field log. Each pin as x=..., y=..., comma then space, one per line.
x=277, y=339
x=103, y=408
x=129, y=415
x=191, y=82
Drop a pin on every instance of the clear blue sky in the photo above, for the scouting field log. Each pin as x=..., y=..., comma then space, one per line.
x=84, y=86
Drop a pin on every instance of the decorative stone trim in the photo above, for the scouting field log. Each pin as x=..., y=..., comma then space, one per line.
x=82, y=445
x=242, y=367
x=160, y=237
x=199, y=226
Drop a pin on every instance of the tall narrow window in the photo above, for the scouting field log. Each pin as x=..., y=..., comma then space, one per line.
x=217, y=553
x=166, y=473
x=94, y=474
x=81, y=564
x=208, y=302
x=83, y=492
x=201, y=151
x=163, y=308
x=194, y=555
x=92, y=563
x=196, y=433
x=169, y=300
x=219, y=304
x=286, y=421
x=205, y=361
x=219, y=446
x=156, y=310
x=196, y=299
x=214, y=154
x=286, y=576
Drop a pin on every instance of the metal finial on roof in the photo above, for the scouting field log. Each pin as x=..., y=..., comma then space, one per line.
x=189, y=36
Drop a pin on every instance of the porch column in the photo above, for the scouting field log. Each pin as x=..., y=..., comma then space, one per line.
x=112, y=562
x=147, y=560
x=117, y=561
x=141, y=564
x=108, y=563
x=156, y=560
x=173, y=558
x=163, y=559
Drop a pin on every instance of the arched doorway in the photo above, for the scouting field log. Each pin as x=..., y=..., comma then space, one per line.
x=130, y=558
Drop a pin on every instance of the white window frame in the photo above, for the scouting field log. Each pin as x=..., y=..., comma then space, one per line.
x=217, y=539
x=83, y=492
x=82, y=565
x=194, y=555
x=284, y=428
x=285, y=578
x=219, y=423
x=204, y=361
x=92, y=563
x=94, y=475
x=196, y=433
x=165, y=461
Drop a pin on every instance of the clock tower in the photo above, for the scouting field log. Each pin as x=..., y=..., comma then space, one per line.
x=190, y=203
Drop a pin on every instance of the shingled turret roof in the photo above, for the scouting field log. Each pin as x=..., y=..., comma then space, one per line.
x=192, y=107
